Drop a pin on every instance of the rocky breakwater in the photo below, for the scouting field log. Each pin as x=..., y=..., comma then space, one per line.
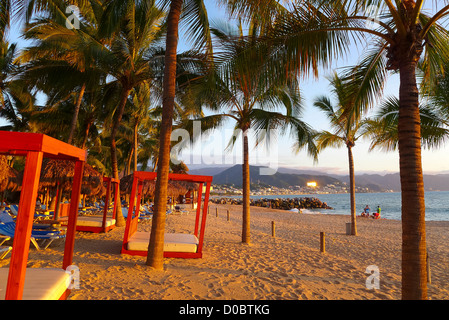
x=278, y=203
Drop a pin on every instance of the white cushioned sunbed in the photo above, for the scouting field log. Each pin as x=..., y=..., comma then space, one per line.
x=40, y=283
x=173, y=242
x=91, y=221
x=94, y=221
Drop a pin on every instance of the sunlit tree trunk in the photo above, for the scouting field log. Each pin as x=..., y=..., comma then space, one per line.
x=155, y=257
x=414, y=273
x=246, y=234
x=352, y=190
x=120, y=220
x=75, y=114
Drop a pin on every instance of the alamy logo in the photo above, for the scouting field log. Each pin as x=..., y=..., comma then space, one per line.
x=217, y=147
x=73, y=281
x=73, y=20
x=373, y=281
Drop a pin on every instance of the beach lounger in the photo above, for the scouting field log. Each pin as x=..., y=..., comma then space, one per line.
x=40, y=283
x=14, y=209
x=173, y=242
x=8, y=229
x=4, y=251
x=91, y=223
x=141, y=215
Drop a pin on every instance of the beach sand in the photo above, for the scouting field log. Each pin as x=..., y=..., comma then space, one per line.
x=289, y=266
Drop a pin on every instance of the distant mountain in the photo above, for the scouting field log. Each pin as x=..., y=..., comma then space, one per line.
x=233, y=176
x=207, y=171
x=285, y=177
x=435, y=182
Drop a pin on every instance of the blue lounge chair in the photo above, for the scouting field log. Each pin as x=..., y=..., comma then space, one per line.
x=8, y=228
x=142, y=216
x=4, y=251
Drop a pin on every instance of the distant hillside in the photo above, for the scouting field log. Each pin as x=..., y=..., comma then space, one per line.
x=437, y=182
x=291, y=177
x=233, y=176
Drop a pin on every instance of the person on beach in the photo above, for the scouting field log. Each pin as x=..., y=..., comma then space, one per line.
x=365, y=212
x=376, y=215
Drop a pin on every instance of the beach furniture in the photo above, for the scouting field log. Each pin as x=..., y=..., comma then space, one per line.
x=17, y=281
x=103, y=223
x=8, y=229
x=4, y=251
x=14, y=208
x=142, y=216
x=176, y=245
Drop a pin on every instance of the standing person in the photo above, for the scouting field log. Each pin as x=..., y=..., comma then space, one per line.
x=366, y=210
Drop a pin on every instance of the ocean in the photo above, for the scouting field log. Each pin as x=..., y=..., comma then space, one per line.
x=437, y=203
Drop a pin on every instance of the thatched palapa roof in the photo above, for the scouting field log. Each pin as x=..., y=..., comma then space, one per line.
x=8, y=176
x=62, y=171
x=175, y=188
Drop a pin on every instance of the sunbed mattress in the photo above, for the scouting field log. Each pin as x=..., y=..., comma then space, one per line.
x=93, y=221
x=40, y=283
x=173, y=242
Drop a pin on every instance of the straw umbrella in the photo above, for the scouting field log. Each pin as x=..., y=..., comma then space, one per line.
x=8, y=178
x=59, y=174
x=175, y=188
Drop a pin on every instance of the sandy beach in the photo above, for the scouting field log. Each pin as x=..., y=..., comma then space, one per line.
x=288, y=266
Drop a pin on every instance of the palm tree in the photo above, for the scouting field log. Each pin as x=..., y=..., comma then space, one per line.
x=347, y=127
x=62, y=58
x=195, y=13
x=135, y=27
x=237, y=90
x=402, y=34
x=383, y=128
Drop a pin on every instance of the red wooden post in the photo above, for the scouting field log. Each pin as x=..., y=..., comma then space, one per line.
x=203, y=219
x=128, y=230
x=24, y=224
x=106, y=205
x=198, y=209
x=73, y=214
x=139, y=198
x=116, y=198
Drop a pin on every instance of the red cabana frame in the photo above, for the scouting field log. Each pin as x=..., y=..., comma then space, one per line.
x=36, y=146
x=111, y=182
x=200, y=220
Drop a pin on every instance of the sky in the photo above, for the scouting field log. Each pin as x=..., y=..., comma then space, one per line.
x=280, y=153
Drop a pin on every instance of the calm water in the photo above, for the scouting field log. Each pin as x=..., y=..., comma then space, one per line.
x=437, y=204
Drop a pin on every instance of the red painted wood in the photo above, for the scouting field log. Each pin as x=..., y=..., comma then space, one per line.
x=198, y=208
x=35, y=146
x=73, y=214
x=106, y=204
x=203, y=220
x=20, y=143
x=94, y=229
x=24, y=224
x=132, y=220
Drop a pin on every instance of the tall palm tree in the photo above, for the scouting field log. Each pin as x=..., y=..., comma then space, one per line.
x=237, y=90
x=402, y=33
x=348, y=127
x=134, y=27
x=194, y=13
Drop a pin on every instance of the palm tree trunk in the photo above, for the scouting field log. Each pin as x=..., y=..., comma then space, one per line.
x=120, y=220
x=75, y=114
x=86, y=134
x=246, y=235
x=352, y=191
x=155, y=257
x=414, y=273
